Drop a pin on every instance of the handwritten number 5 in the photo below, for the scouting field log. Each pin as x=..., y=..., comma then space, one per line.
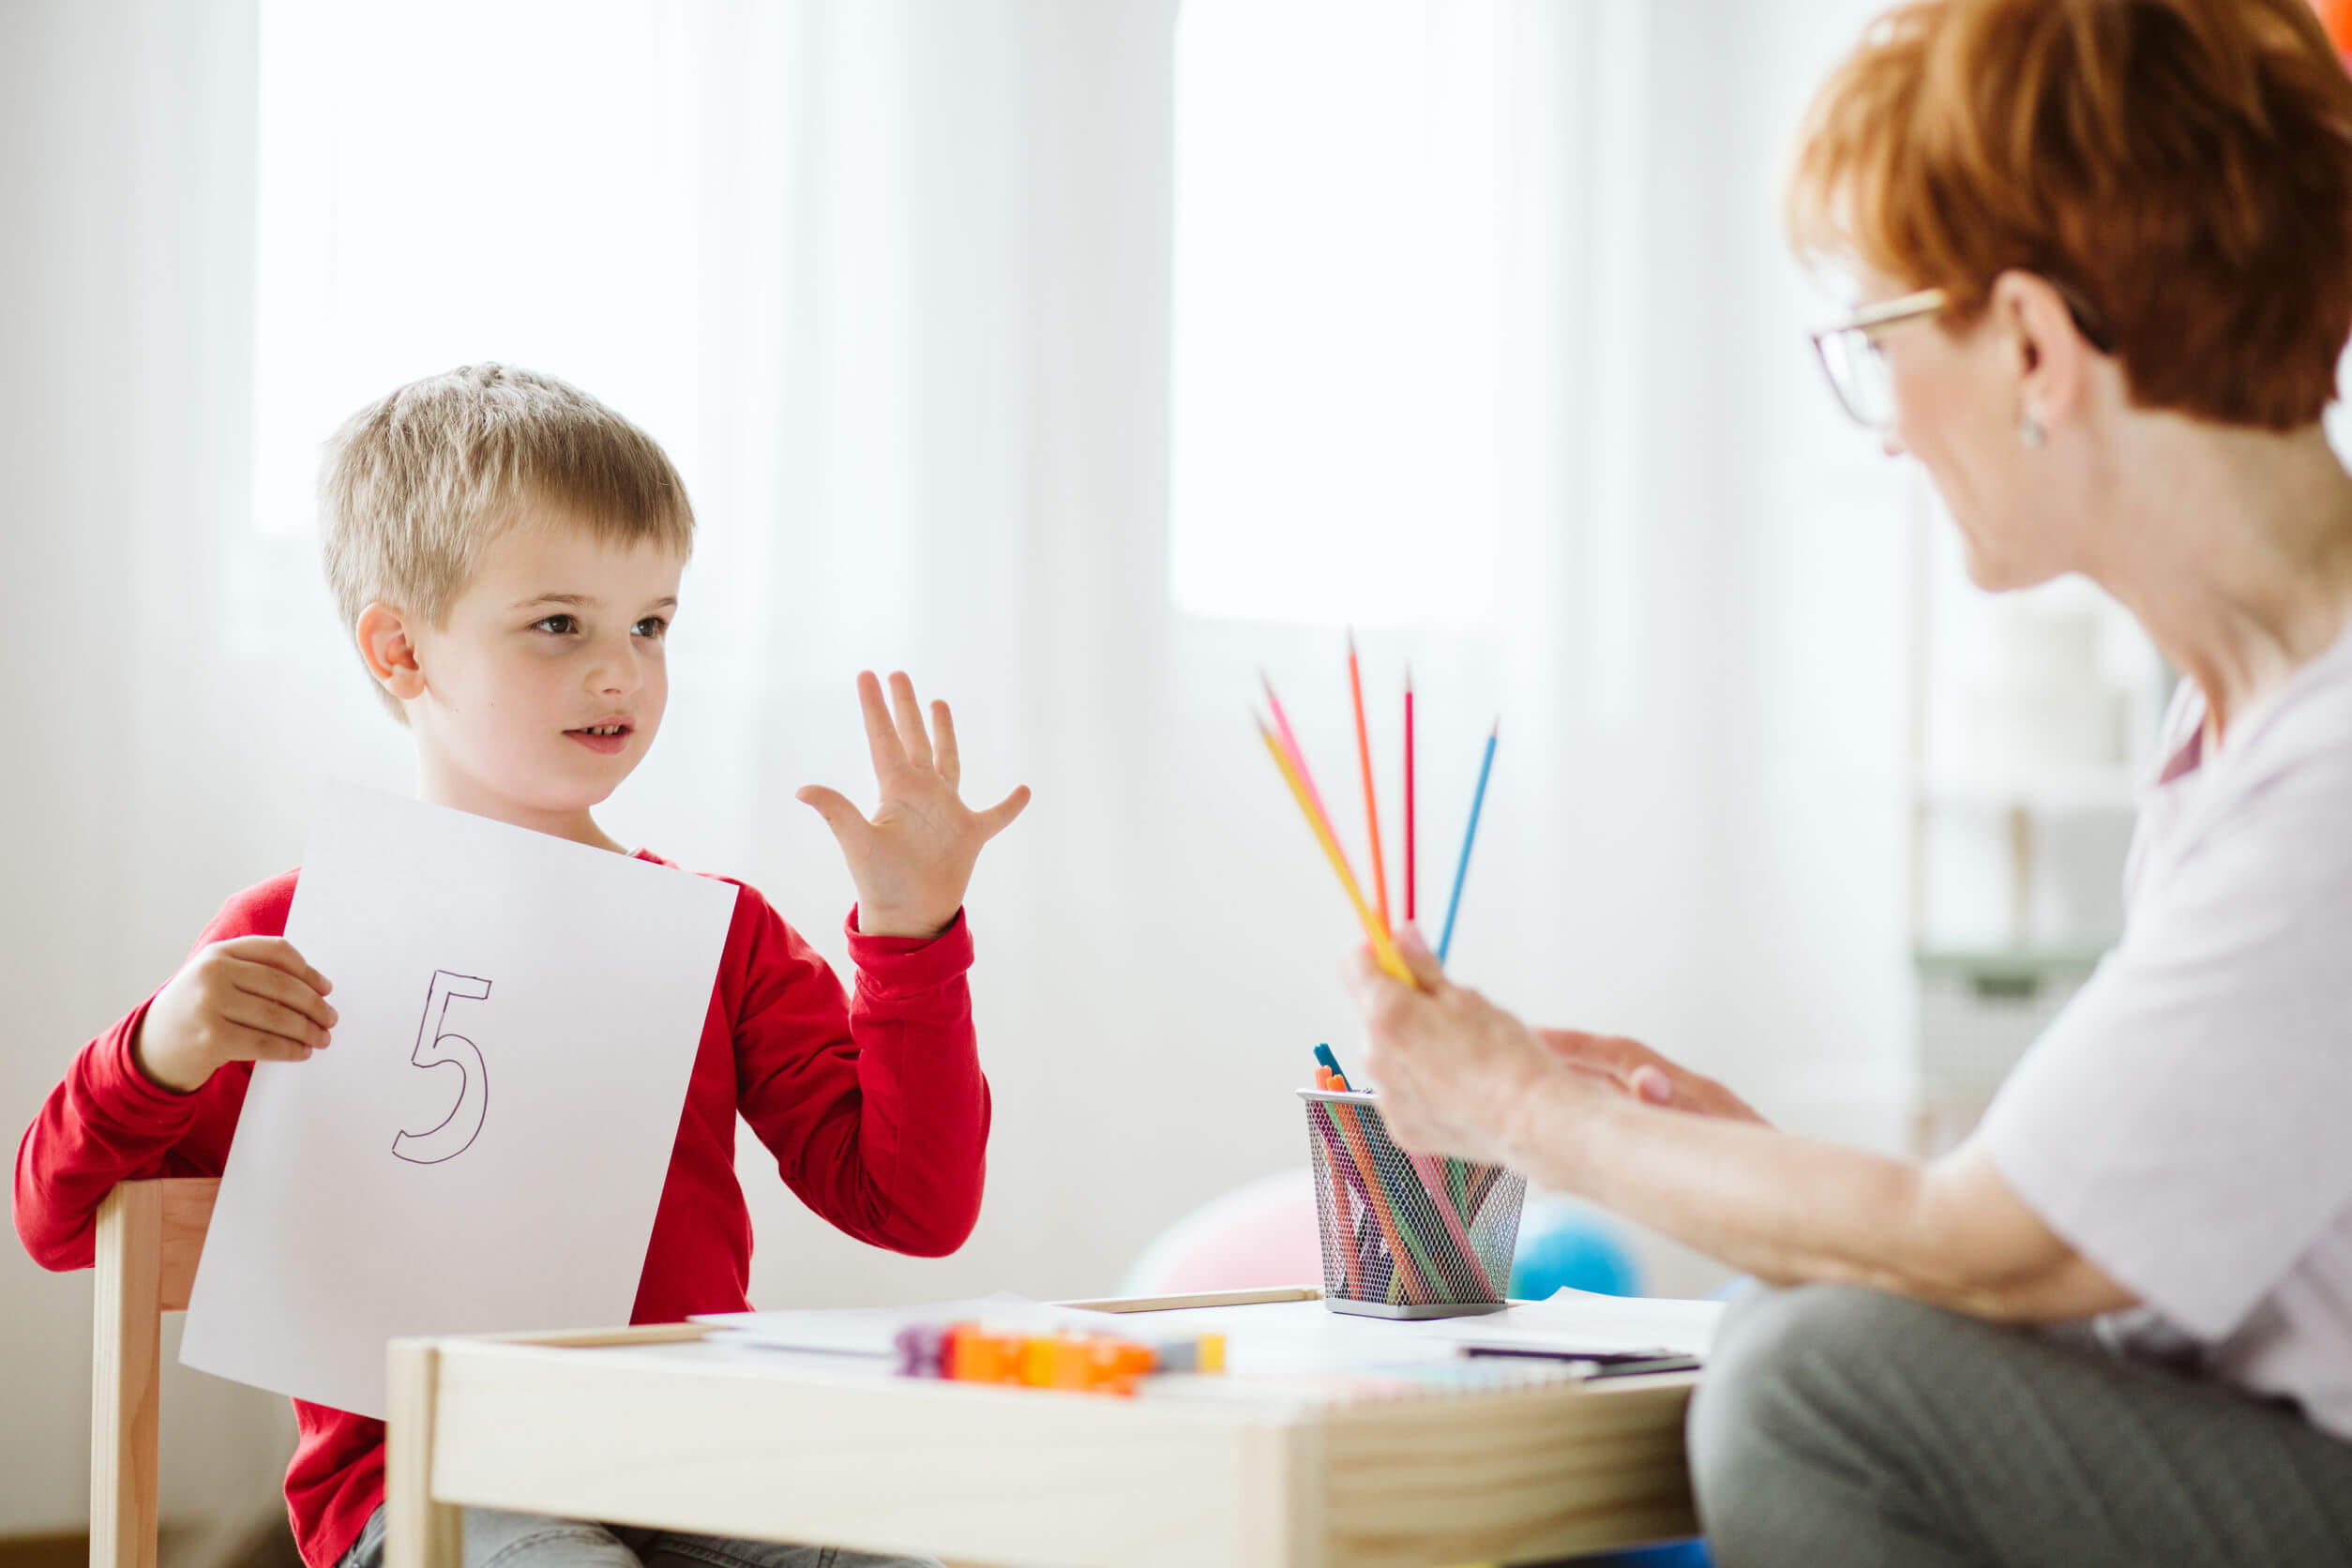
x=437, y=1048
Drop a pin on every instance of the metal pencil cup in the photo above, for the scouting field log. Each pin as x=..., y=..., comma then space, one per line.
x=1406, y=1235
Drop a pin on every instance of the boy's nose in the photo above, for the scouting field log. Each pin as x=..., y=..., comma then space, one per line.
x=617, y=674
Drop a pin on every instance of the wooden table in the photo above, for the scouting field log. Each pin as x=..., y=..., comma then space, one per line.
x=653, y=1425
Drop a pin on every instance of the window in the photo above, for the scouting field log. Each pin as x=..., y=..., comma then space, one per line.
x=442, y=182
x=1337, y=311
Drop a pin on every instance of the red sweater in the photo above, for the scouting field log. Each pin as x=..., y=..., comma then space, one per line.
x=873, y=1104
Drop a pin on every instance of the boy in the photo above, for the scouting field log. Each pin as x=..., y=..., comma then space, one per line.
x=505, y=552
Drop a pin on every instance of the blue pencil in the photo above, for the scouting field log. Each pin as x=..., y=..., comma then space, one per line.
x=1469, y=837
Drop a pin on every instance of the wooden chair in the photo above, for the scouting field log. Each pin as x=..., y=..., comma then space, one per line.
x=149, y=1236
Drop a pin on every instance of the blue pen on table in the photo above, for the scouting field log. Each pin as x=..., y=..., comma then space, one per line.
x=1469, y=837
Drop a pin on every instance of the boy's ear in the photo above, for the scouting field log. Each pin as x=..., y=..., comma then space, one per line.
x=383, y=635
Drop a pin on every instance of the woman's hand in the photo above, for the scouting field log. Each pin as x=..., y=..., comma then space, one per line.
x=913, y=858
x=1455, y=1070
x=1645, y=1075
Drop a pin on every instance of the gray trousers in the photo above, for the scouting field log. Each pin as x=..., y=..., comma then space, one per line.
x=497, y=1539
x=1849, y=1427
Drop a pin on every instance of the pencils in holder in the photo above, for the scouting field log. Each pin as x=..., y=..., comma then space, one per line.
x=1469, y=837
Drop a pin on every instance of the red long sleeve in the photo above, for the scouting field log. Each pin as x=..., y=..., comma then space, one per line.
x=876, y=1112
x=107, y=1122
x=873, y=1103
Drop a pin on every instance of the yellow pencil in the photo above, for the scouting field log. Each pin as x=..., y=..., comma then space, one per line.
x=1383, y=947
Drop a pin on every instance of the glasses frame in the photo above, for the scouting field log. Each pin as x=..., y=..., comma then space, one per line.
x=1927, y=302
x=1867, y=321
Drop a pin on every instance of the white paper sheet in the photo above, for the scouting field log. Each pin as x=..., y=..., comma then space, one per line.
x=1570, y=1320
x=484, y=1145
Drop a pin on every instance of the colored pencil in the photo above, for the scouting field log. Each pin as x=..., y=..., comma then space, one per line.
x=1371, y=804
x=1341, y=1177
x=1469, y=835
x=1384, y=946
x=1408, y=794
x=1403, y=1239
x=1282, y=722
x=1433, y=1181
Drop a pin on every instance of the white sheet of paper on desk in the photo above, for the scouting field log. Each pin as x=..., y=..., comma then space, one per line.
x=1572, y=1321
x=484, y=1145
x=873, y=1331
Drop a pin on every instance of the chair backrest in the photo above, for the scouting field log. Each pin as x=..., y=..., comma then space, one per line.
x=149, y=1236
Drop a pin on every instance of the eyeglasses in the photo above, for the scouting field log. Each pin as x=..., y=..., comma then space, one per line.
x=1857, y=368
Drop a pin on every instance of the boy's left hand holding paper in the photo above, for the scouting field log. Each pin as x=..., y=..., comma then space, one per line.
x=911, y=859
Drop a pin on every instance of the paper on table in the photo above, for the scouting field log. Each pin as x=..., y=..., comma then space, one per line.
x=484, y=1143
x=1571, y=1320
x=872, y=1330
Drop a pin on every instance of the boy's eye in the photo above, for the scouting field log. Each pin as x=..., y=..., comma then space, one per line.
x=652, y=625
x=562, y=626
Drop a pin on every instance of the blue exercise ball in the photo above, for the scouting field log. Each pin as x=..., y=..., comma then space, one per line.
x=1572, y=1246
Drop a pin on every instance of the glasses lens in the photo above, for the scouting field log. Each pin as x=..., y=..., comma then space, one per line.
x=1857, y=372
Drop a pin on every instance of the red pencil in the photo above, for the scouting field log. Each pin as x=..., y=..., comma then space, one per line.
x=1408, y=794
x=1371, y=805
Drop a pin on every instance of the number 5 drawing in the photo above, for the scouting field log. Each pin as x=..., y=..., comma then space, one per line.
x=438, y=1048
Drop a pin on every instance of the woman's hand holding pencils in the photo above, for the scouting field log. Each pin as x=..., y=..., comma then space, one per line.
x=1454, y=1069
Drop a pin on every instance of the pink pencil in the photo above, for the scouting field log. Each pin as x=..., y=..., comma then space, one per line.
x=1371, y=804
x=1290, y=744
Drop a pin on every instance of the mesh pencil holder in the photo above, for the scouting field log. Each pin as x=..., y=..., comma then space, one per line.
x=1406, y=1235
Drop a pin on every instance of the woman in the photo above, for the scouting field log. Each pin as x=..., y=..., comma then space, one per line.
x=2105, y=259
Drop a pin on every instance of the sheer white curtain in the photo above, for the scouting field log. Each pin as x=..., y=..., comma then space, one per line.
x=894, y=280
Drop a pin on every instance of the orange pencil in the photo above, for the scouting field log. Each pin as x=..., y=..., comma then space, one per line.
x=1371, y=804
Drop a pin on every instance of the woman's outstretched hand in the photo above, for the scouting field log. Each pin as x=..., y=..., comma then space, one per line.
x=913, y=858
x=1455, y=1070
x=1645, y=1075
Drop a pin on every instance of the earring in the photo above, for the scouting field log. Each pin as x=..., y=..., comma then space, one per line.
x=2030, y=430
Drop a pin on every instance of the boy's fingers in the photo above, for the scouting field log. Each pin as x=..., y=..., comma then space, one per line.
x=951, y=765
x=254, y=1046
x=881, y=736
x=262, y=1015
x=997, y=817
x=910, y=714
x=285, y=990
x=840, y=815
x=280, y=953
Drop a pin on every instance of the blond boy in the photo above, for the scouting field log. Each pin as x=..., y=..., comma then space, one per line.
x=505, y=552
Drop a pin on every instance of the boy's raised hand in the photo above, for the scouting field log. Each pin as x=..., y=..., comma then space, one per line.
x=913, y=858
x=248, y=999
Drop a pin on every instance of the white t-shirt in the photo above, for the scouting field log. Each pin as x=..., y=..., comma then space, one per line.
x=2186, y=1123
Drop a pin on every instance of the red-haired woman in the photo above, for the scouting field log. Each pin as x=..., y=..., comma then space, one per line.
x=2104, y=257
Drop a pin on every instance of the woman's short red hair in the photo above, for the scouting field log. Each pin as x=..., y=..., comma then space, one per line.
x=2180, y=169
